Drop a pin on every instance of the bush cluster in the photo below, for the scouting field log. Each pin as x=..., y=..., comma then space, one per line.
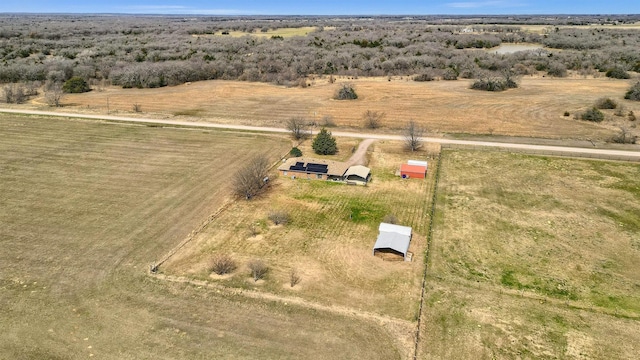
x=606, y=103
x=617, y=73
x=346, y=92
x=494, y=84
x=75, y=85
x=592, y=114
x=633, y=93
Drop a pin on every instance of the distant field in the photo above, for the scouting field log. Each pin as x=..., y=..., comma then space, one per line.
x=87, y=206
x=535, y=109
x=284, y=32
x=534, y=257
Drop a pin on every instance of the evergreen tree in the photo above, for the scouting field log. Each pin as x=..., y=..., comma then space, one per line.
x=324, y=143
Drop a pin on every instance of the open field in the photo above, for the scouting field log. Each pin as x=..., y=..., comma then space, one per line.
x=87, y=206
x=283, y=32
x=534, y=257
x=535, y=109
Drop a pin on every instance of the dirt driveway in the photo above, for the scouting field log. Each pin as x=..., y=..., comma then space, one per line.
x=359, y=157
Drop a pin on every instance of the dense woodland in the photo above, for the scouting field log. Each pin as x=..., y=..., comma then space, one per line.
x=154, y=51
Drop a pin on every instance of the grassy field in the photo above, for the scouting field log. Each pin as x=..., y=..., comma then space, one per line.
x=534, y=257
x=535, y=109
x=87, y=206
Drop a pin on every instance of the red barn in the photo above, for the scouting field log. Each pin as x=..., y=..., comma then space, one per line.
x=413, y=171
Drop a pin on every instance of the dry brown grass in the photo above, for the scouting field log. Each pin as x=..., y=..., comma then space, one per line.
x=328, y=239
x=535, y=109
x=87, y=206
x=534, y=257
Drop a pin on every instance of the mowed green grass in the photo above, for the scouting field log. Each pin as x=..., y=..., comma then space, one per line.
x=87, y=206
x=534, y=257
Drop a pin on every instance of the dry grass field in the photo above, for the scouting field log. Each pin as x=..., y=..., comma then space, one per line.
x=534, y=258
x=87, y=206
x=535, y=109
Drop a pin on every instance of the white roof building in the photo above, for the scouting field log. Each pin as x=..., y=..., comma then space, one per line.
x=393, y=239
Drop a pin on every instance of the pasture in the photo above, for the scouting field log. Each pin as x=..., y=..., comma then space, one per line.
x=534, y=109
x=87, y=206
x=533, y=257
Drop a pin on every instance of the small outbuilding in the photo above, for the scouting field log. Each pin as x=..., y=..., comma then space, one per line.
x=414, y=169
x=393, y=242
x=357, y=174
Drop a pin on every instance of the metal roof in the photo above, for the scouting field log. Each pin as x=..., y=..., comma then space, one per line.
x=393, y=237
x=358, y=170
x=413, y=168
x=417, y=162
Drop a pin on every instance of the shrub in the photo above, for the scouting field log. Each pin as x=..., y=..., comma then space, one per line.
x=372, y=119
x=617, y=73
x=390, y=219
x=258, y=269
x=346, y=92
x=294, y=277
x=450, y=74
x=279, y=217
x=624, y=137
x=424, y=77
x=324, y=143
x=606, y=103
x=327, y=121
x=633, y=93
x=631, y=116
x=557, y=70
x=295, y=152
x=494, y=84
x=222, y=264
x=75, y=85
x=566, y=113
x=592, y=114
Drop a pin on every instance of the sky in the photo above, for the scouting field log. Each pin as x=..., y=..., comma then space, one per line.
x=325, y=7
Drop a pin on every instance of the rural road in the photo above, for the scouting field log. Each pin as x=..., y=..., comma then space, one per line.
x=540, y=149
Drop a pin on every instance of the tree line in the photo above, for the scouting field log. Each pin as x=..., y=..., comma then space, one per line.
x=155, y=51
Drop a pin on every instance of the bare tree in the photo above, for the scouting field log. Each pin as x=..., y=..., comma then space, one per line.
x=8, y=94
x=298, y=128
x=258, y=269
x=294, y=277
x=222, y=264
x=412, y=136
x=53, y=94
x=624, y=137
x=252, y=178
x=373, y=119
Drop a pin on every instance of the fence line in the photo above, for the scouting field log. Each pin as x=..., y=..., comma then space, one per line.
x=153, y=268
x=426, y=255
x=559, y=153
